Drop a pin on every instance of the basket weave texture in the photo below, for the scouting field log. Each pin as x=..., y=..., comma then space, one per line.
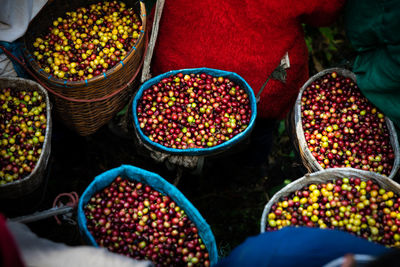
x=323, y=177
x=31, y=182
x=85, y=106
x=296, y=128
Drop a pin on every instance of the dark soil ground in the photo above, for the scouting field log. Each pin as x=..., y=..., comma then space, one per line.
x=229, y=195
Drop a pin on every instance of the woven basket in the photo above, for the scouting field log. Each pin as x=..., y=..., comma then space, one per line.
x=323, y=177
x=85, y=106
x=31, y=182
x=295, y=127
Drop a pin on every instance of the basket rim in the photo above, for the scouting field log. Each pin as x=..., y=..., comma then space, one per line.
x=47, y=139
x=196, y=151
x=299, y=127
x=64, y=83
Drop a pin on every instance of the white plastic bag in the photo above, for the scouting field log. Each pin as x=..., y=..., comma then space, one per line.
x=15, y=16
x=6, y=67
x=41, y=252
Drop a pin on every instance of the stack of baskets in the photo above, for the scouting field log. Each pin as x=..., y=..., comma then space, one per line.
x=85, y=106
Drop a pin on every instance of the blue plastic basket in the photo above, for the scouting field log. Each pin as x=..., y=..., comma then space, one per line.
x=197, y=151
x=156, y=182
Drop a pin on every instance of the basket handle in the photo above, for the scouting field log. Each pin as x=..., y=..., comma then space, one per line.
x=154, y=33
x=22, y=63
x=279, y=73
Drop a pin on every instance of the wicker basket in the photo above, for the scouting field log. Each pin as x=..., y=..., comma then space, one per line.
x=85, y=106
x=295, y=128
x=323, y=177
x=31, y=182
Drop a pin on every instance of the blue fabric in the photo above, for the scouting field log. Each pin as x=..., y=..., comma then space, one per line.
x=16, y=49
x=197, y=151
x=299, y=246
x=156, y=182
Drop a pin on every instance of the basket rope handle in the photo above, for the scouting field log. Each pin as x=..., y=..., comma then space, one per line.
x=154, y=33
x=23, y=64
x=74, y=199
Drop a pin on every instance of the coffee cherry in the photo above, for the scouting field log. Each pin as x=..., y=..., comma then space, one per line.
x=133, y=219
x=88, y=41
x=193, y=111
x=342, y=128
x=362, y=208
x=23, y=129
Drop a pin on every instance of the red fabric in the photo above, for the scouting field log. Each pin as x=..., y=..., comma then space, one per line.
x=9, y=253
x=246, y=37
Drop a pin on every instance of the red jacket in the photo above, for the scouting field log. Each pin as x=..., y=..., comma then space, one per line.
x=9, y=253
x=245, y=37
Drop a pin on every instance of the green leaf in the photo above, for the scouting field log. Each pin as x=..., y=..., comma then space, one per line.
x=275, y=189
x=123, y=111
x=282, y=127
x=327, y=32
x=329, y=56
x=309, y=44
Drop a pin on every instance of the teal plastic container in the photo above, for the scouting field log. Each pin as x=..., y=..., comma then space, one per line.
x=156, y=182
x=197, y=151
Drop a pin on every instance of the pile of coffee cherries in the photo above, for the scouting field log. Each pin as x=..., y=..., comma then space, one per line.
x=88, y=41
x=23, y=129
x=133, y=219
x=342, y=128
x=193, y=111
x=360, y=207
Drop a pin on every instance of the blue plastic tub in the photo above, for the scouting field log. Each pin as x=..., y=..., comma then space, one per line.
x=156, y=182
x=197, y=151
